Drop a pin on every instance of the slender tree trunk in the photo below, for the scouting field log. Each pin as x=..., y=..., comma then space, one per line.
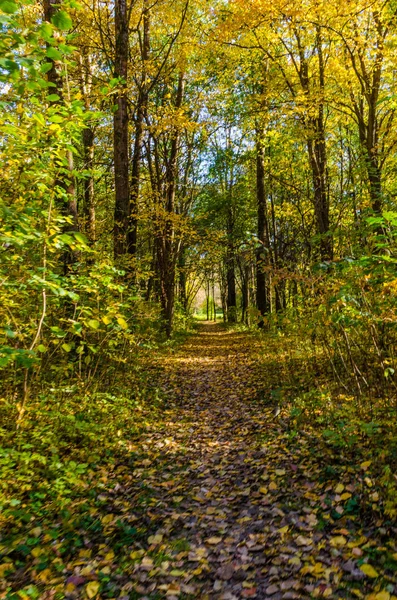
x=89, y=192
x=245, y=293
x=213, y=299
x=88, y=148
x=368, y=134
x=318, y=161
x=182, y=281
x=208, y=299
x=262, y=254
x=138, y=143
x=167, y=245
x=120, y=131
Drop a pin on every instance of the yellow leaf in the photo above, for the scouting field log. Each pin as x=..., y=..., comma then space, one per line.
x=307, y=569
x=303, y=541
x=109, y=555
x=155, y=539
x=318, y=568
x=69, y=588
x=382, y=595
x=263, y=490
x=122, y=322
x=272, y=486
x=213, y=540
x=5, y=567
x=339, y=488
x=44, y=576
x=280, y=472
x=92, y=588
x=345, y=496
x=107, y=519
x=365, y=465
x=284, y=529
x=369, y=570
x=338, y=541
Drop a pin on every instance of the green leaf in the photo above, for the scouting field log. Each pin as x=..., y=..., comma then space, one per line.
x=54, y=54
x=45, y=67
x=46, y=31
x=93, y=324
x=8, y=6
x=53, y=98
x=81, y=239
x=62, y=20
x=9, y=65
x=66, y=347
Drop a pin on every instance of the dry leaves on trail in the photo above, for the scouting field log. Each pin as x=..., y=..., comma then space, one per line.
x=220, y=501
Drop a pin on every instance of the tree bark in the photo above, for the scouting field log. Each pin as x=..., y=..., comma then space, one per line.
x=262, y=253
x=88, y=149
x=120, y=131
x=89, y=192
x=139, y=129
x=316, y=146
x=230, y=270
x=167, y=246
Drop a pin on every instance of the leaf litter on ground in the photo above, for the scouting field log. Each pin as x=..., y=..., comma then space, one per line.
x=219, y=500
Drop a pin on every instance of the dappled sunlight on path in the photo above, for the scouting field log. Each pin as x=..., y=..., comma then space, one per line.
x=219, y=499
x=233, y=504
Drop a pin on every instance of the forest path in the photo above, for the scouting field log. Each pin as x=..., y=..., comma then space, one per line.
x=235, y=505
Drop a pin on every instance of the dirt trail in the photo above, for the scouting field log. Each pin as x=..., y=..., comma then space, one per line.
x=236, y=506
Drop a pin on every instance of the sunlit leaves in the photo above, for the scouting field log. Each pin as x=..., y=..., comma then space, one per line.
x=8, y=6
x=62, y=20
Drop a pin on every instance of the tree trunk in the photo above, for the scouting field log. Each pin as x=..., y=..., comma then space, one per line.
x=262, y=253
x=208, y=299
x=245, y=293
x=230, y=266
x=318, y=161
x=89, y=193
x=213, y=299
x=182, y=281
x=120, y=131
x=138, y=143
x=167, y=247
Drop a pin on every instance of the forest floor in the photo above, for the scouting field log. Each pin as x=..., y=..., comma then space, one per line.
x=222, y=500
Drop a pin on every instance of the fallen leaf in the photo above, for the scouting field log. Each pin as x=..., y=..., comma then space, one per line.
x=213, y=540
x=369, y=570
x=155, y=539
x=338, y=541
x=92, y=588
